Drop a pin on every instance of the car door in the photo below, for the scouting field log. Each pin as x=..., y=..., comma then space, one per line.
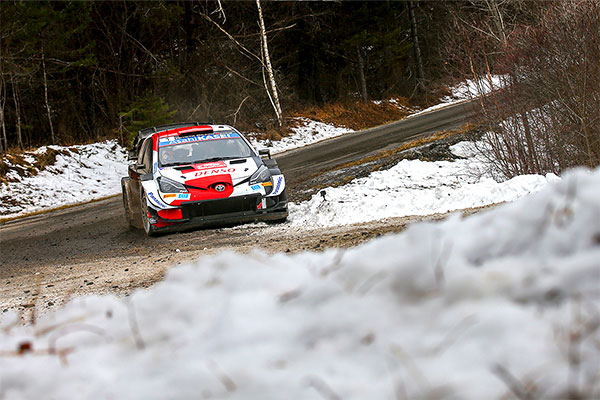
x=142, y=166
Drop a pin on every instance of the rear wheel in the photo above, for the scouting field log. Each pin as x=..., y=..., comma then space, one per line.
x=148, y=227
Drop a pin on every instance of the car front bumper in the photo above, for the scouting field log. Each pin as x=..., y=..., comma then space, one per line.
x=222, y=212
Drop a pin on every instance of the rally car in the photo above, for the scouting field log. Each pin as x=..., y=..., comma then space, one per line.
x=191, y=174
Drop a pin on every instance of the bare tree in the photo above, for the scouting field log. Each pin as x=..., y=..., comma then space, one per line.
x=546, y=119
x=15, y=91
x=273, y=95
x=3, y=140
x=361, y=71
x=53, y=138
x=416, y=46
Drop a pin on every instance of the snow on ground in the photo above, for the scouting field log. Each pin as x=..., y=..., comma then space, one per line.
x=82, y=173
x=472, y=88
x=467, y=90
x=307, y=132
x=414, y=187
x=462, y=308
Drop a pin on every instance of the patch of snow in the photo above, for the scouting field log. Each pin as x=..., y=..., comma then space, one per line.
x=438, y=311
x=414, y=187
x=90, y=172
x=466, y=91
x=472, y=88
x=307, y=132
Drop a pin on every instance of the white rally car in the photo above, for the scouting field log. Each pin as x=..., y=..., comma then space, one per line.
x=190, y=174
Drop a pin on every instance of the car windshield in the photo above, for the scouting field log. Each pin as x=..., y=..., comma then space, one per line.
x=202, y=148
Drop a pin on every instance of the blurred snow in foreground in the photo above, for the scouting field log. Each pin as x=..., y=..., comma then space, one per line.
x=462, y=308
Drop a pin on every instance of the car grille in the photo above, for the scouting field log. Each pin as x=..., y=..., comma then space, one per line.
x=221, y=206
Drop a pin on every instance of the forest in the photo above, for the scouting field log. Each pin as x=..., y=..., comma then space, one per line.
x=74, y=72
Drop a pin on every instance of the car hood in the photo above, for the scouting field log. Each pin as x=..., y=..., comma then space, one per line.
x=236, y=170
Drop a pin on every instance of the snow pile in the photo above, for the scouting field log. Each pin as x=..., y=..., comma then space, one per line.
x=472, y=88
x=458, y=309
x=307, y=132
x=414, y=187
x=80, y=173
x=467, y=90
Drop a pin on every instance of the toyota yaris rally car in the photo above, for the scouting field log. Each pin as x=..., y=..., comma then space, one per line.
x=190, y=174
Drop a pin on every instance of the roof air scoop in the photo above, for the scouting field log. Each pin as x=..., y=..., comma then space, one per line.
x=203, y=130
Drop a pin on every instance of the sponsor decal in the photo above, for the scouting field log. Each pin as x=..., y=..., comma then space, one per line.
x=217, y=171
x=279, y=180
x=255, y=187
x=155, y=166
x=212, y=165
x=198, y=138
x=178, y=196
x=151, y=195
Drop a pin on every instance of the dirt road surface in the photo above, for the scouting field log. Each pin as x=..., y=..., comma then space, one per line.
x=49, y=258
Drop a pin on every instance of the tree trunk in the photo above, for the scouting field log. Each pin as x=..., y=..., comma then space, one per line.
x=361, y=71
x=53, y=138
x=416, y=46
x=3, y=140
x=15, y=91
x=267, y=58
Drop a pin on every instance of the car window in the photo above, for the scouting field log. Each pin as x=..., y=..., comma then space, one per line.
x=145, y=156
x=140, y=159
x=202, y=148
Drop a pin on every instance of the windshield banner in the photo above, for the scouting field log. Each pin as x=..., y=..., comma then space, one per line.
x=192, y=139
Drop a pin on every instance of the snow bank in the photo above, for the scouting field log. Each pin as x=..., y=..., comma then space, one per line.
x=414, y=187
x=444, y=310
x=307, y=132
x=472, y=88
x=81, y=173
x=467, y=90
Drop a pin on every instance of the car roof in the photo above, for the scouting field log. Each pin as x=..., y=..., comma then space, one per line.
x=191, y=129
x=175, y=130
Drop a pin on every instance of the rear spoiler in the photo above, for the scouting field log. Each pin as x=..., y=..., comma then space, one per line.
x=161, y=128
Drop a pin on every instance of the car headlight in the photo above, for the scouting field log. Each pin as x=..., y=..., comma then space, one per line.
x=262, y=174
x=167, y=185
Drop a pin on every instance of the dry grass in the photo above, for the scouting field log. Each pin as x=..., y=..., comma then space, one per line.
x=15, y=160
x=354, y=115
x=358, y=115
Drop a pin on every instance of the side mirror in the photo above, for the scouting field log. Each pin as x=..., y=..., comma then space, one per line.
x=264, y=153
x=146, y=177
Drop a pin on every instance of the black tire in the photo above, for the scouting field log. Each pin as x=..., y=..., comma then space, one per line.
x=126, y=206
x=279, y=221
x=148, y=228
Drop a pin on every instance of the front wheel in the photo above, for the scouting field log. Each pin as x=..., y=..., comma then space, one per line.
x=148, y=227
